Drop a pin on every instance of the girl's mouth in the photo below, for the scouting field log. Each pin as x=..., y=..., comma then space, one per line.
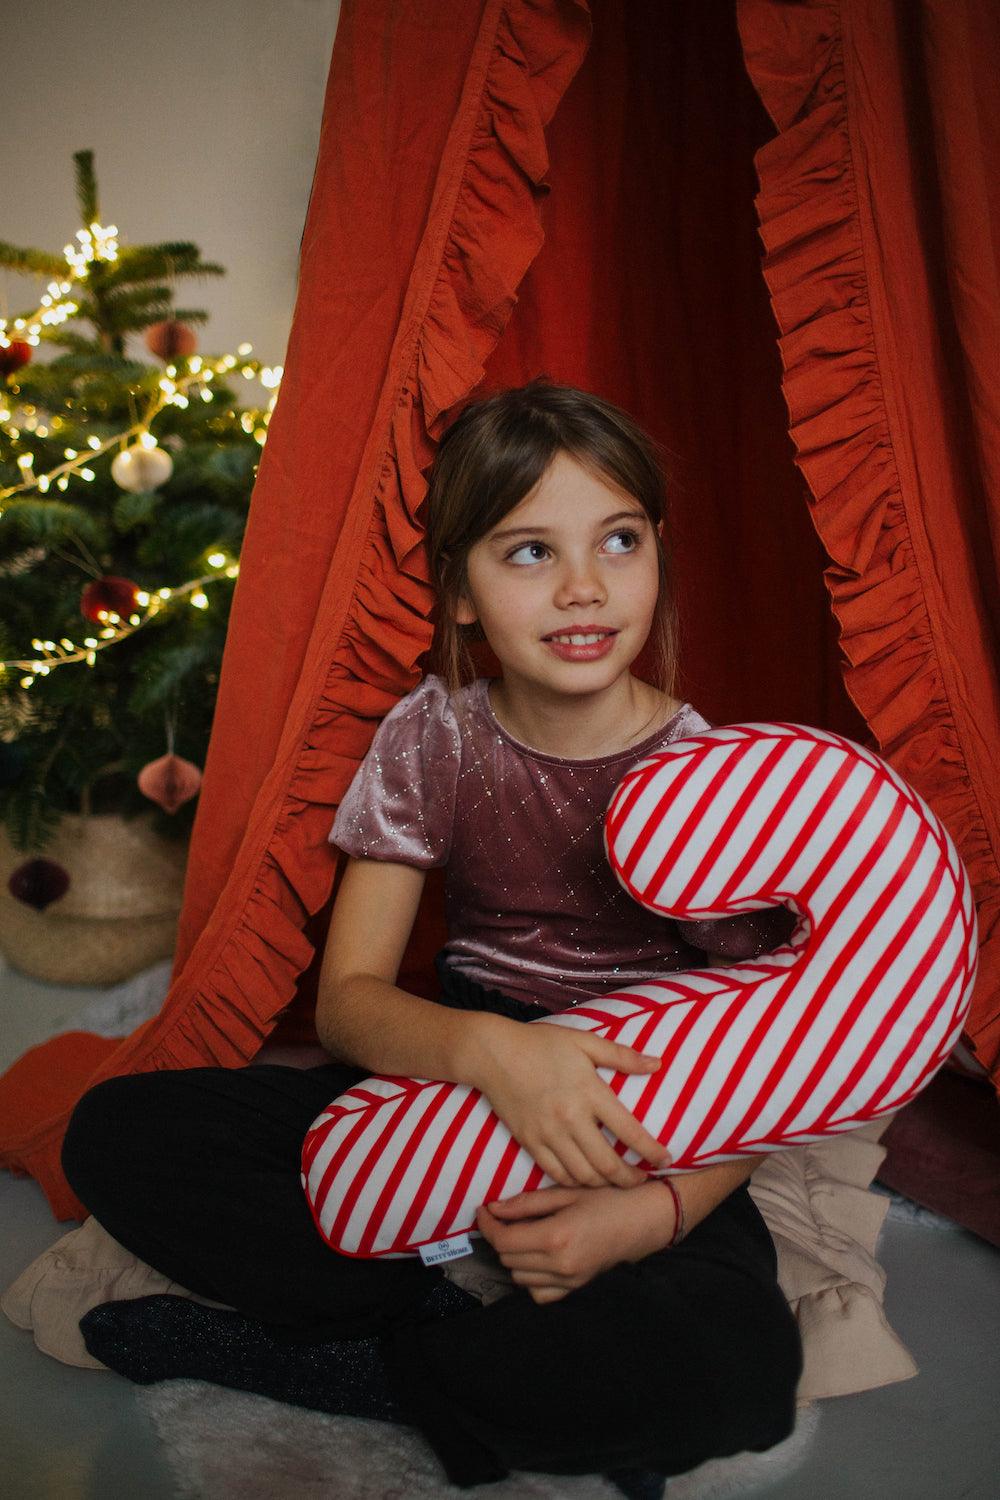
x=581, y=645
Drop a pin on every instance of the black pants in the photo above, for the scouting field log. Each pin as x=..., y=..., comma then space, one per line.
x=688, y=1354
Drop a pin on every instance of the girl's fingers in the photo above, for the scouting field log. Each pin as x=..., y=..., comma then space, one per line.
x=576, y=1156
x=518, y=1243
x=625, y=1059
x=548, y=1293
x=604, y=1161
x=628, y=1129
x=552, y=1166
x=528, y=1205
x=526, y=1262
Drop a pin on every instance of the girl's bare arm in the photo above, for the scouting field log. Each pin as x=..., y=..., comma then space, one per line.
x=542, y=1082
x=700, y=1192
x=362, y=1016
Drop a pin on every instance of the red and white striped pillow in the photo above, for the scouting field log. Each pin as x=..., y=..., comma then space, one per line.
x=846, y=1022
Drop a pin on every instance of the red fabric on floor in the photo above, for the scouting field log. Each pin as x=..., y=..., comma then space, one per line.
x=943, y=1151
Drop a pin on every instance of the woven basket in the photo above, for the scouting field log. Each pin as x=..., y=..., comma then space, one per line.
x=121, y=910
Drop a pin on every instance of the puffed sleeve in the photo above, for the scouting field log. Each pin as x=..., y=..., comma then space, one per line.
x=401, y=804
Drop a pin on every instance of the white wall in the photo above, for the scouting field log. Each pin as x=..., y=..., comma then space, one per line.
x=204, y=119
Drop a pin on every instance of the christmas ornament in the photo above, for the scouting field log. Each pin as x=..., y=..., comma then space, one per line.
x=170, y=340
x=13, y=356
x=169, y=781
x=141, y=468
x=109, y=596
x=38, y=882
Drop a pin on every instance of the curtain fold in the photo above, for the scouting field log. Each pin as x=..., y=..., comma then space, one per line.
x=879, y=209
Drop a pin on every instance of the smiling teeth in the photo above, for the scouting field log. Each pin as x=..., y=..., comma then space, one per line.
x=580, y=640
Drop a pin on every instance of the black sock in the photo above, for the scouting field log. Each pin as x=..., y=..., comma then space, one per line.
x=148, y=1339
x=168, y=1338
x=638, y=1484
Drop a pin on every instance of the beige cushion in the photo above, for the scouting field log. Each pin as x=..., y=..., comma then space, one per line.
x=80, y=1271
x=825, y=1225
x=815, y=1200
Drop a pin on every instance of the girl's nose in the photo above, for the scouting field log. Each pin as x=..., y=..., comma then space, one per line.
x=581, y=584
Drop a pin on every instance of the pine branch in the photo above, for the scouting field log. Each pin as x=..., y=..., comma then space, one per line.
x=141, y=296
x=189, y=314
x=37, y=262
x=50, y=522
x=166, y=671
x=91, y=361
x=64, y=338
x=156, y=262
x=116, y=315
x=186, y=531
x=204, y=268
x=15, y=565
x=86, y=186
x=29, y=817
x=135, y=508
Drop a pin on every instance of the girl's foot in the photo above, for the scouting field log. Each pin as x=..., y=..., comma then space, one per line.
x=169, y=1338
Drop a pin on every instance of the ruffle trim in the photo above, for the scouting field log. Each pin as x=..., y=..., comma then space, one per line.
x=814, y=267
x=483, y=233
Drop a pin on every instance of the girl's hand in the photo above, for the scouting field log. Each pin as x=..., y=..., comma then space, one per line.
x=541, y=1081
x=557, y=1239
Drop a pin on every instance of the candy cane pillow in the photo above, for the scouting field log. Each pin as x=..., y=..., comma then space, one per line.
x=846, y=1022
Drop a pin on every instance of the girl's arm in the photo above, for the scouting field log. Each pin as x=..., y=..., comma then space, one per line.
x=557, y=1239
x=362, y=1017
x=540, y=1080
x=700, y=1192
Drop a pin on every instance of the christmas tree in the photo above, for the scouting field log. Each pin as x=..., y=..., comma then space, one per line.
x=124, y=488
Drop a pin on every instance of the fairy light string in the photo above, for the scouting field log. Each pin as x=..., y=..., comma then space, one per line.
x=99, y=243
x=172, y=391
x=65, y=653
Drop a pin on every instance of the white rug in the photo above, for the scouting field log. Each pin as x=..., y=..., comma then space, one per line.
x=227, y=1445
x=120, y=1008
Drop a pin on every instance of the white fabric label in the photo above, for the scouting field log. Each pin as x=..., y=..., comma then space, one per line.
x=440, y=1250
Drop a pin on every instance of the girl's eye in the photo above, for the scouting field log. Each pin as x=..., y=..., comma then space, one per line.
x=627, y=541
x=528, y=553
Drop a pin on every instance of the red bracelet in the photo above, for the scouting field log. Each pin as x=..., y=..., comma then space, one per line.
x=678, y=1233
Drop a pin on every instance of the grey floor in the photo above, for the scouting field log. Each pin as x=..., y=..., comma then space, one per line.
x=68, y=1434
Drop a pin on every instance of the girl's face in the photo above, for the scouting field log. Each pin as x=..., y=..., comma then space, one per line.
x=565, y=586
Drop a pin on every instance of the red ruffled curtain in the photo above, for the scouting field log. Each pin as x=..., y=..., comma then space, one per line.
x=879, y=207
x=638, y=276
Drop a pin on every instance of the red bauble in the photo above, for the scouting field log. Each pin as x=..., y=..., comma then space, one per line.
x=38, y=882
x=170, y=340
x=170, y=781
x=115, y=595
x=16, y=354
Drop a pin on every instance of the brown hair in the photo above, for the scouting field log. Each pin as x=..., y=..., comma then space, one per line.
x=493, y=455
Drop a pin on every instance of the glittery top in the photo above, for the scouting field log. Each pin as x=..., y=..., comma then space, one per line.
x=532, y=905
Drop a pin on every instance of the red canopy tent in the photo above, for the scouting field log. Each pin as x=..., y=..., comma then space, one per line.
x=513, y=187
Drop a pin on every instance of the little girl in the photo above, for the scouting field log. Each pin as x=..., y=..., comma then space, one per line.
x=643, y=1329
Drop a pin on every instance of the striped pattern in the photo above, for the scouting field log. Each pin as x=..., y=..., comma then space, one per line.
x=845, y=1023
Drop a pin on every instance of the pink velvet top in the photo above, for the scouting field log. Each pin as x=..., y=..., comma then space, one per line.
x=532, y=906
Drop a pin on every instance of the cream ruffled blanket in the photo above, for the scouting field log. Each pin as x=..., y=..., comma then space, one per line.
x=815, y=1199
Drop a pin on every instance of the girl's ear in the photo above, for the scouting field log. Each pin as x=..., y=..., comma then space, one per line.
x=465, y=611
